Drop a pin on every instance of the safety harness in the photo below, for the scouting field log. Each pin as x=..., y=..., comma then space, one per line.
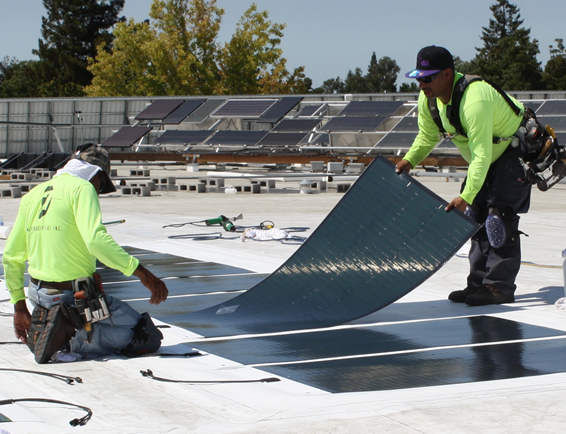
x=544, y=160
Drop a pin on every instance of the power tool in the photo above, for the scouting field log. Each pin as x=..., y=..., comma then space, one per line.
x=225, y=222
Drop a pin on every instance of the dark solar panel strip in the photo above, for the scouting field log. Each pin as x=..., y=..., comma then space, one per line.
x=126, y=137
x=181, y=113
x=159, y=109
x=379, y=339
x=431, y=368
x=280, y=109
x=345, y=271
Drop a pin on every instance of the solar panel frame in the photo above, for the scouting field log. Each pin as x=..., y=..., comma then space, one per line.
x=243, y=108
x=353, y=124
x=126, y=137
x=183, y=137
x=371, y=108
x=232, y=137
x=183, y=111
x=159, y=109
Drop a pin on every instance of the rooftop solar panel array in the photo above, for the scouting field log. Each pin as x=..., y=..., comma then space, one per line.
x=353, y=124
x=282, y=139
x=126, y=137
x=182, y=137
x=276, y=112
x=297, y=125
x=371, y=108
x=231, y=137
x=244, y=108
x=160, y=109
x=182, y=112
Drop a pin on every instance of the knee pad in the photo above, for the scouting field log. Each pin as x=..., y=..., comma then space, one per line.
x=498, y=227
x=147, y=338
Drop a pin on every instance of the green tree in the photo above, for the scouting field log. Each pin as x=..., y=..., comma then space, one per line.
x=71, y=32
x=508, y=56
x=177, y=53
x=409, y=87
x=355, y=82
x=332, y=86
x=252, y=61
x=555, y=69
x=19, y=79
x=382, y=75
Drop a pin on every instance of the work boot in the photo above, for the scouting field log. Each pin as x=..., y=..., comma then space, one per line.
x=54, y=333
x=487, y=294
x=461, y=295
x=147, y=338
x=38, y=321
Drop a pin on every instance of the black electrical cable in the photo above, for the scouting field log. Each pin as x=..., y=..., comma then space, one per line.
x=202, y=237
x=190, y=354
x=149, y=374
x=75, y=422
x=65, y=378
x=11, y=343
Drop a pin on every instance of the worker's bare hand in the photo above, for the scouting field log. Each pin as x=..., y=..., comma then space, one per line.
x=458, y=203
x=155, y=285
x=22, y=321
x=403, y=166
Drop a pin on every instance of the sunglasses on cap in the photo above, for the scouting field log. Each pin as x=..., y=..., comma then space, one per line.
x=428, y=79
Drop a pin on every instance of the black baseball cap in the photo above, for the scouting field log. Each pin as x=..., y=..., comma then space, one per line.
x=431, y=60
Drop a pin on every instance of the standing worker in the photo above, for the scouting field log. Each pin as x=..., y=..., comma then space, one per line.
x=496, y=188
x=59, y=231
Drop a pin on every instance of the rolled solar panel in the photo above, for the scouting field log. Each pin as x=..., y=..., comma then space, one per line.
x=385, y=237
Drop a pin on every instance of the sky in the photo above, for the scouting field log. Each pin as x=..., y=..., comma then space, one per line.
x=331, y=37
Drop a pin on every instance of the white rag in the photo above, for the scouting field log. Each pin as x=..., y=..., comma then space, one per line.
x=264, y=234
x=80, y=169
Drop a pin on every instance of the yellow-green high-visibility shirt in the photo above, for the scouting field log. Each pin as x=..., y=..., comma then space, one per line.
x=59, y=231
x=484, y=114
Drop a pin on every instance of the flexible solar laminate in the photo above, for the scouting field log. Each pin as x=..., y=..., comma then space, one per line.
x=181, y=113
x=406, y=355
x=384, y=238
x=377, y=339
x=126, y=137
x=160, y=109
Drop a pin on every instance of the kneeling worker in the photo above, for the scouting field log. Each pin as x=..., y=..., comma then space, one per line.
x=59, y=231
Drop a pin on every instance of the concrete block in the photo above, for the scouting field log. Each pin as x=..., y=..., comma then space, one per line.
x=20, y=176
x=13, y=192
x=335, y=167
x=343, y=188
x=317, y=166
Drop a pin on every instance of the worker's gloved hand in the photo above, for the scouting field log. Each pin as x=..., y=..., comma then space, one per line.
x=22, y=321
x=403, y=166
x=155, y=285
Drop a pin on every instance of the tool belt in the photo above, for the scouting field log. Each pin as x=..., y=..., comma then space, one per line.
x=544, y=159
x=90, y=299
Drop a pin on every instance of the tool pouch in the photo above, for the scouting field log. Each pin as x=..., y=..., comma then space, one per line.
x=90, y=299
